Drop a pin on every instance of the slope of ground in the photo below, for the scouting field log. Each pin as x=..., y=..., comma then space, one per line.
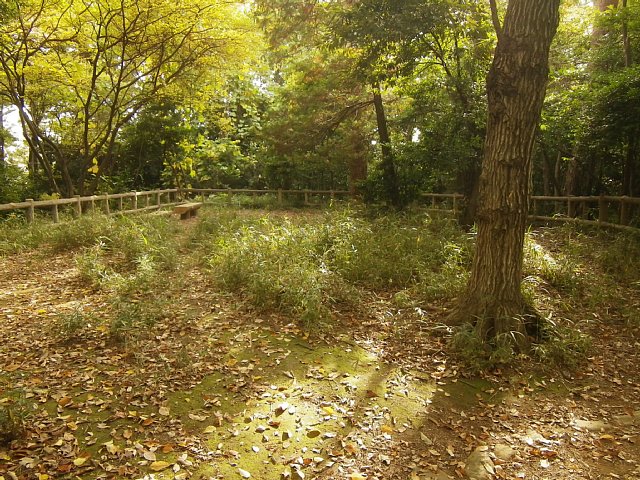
x=216, y=389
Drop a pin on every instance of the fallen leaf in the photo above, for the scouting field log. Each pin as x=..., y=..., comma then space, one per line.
x=159, y=465
x=199, y=418
x=164, y=411
x=244, y=473
x=386, y=429
x=149, y=456
x=79, y=461
x=329, y=410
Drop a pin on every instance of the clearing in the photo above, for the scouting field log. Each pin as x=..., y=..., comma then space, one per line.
x=177, y=375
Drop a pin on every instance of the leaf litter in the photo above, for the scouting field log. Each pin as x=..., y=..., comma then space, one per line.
x=212, y=391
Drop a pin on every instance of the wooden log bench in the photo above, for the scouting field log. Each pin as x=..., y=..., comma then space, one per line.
x=187, y=210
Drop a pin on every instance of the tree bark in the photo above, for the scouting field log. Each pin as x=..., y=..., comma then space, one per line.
x=516, y=86
x=389, y=173
x=2, y=154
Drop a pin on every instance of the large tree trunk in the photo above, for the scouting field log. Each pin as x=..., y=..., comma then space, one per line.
x=516, y=87
x=389, y=173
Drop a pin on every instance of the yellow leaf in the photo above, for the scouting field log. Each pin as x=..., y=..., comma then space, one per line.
x=210, y=429
x=164, y=411
x=351, y=448
x=356, y=476
x=329, y=410
x=78, y=462
x=41, y=476
x=159, y=465
x=386, y=429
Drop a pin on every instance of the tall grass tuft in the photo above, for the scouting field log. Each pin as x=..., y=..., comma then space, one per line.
x=308, y=266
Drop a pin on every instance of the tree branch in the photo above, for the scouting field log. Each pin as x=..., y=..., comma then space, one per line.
x=495, y=18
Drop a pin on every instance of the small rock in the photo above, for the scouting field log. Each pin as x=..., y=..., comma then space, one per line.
x=592, y=425
x=479, y=465
x=504, y=452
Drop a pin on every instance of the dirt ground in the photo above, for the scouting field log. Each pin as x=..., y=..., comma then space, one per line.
x=217, y=391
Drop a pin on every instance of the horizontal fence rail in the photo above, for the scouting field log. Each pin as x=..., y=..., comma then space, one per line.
x=447, y=202
x=622, y=213
x=129, y=202
x=308, y=194
x=606, y=211
x=132, y=202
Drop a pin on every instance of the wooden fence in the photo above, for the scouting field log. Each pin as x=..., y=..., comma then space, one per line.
x=132, y=202
x=616, y=212
x=606, y=211
x=108, y=203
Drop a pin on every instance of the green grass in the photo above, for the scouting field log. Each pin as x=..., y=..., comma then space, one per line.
x=313, y=266
x=307, y=266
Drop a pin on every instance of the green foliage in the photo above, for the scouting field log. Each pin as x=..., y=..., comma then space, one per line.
x=15, y=410
x=69, y=325
x=563, y=345
x=16, y=235
x=15, y=185
x=310, y=267
x=131, y=318
x=477, y=354
x=130, y=257
x=275, y=266
x=555, y=268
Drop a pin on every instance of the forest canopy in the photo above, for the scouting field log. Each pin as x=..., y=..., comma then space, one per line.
x=384, y=97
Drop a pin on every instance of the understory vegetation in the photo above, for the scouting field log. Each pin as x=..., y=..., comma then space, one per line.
x=212, y=305
x=315, y=267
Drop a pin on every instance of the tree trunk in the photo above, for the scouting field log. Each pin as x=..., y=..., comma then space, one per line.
x=389, y=173
x=2, y=154
x=357, y=160
x=516, y=87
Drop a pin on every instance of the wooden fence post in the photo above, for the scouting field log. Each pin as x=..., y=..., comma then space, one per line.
x=603, y=210
x=624, y=211
x=306, y=197
x=279, y=196
x=78, y=206
x=54, y=213
x=30, y=210
x=159, y=199
x=571, y=208
x=146, y=200
x=120, y=204
x=455, y=203
x=107, y=207
x=93, y=203
x=134, y=200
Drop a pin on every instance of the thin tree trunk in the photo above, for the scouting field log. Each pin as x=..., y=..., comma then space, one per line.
x=516, y=87
x=357, y=160
x=2, y=153
x=626, y=42
x=389, y=173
